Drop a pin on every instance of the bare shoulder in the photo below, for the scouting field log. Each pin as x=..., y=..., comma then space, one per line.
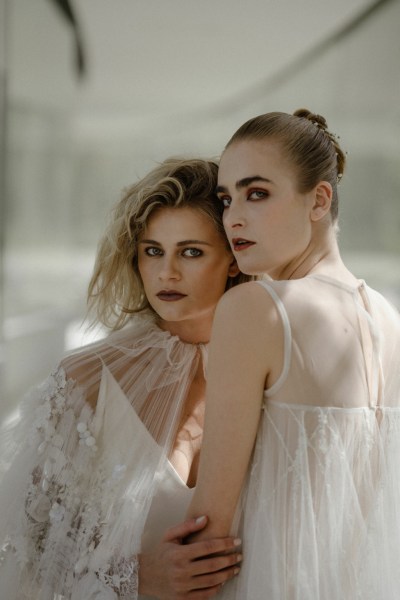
x=247, y=304
x=247, y=317
x=248, y=337
x=246, y=295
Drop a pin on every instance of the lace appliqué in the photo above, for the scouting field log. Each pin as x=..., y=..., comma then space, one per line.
x=123, y=577
x=61, y=523
x=118, y=581
x=52, y=494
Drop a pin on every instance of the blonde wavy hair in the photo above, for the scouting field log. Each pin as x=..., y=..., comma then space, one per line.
x=116, y=290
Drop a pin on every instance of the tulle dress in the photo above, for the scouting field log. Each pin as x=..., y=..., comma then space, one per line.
x=87, y=481
x=321, y=505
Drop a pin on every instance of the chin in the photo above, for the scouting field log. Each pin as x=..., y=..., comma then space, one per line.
x=171, y=317
x=251, y=270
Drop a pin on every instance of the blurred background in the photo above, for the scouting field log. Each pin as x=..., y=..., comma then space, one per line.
x=94, y=93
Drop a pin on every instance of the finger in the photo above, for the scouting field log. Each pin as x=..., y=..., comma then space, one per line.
x=214, y=580
x=183, y=529
x=216, y=563
x=201, y=593
x=199, y=550
x=205, y=593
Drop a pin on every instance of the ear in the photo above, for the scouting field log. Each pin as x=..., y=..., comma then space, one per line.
x=322, y=200
x=233, y=268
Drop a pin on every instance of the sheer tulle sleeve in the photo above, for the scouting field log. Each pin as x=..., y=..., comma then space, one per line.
x=51, y=522
x=78, y=485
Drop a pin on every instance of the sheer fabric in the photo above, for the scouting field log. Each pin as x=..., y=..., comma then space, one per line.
x=321, y=505
x=84, y=462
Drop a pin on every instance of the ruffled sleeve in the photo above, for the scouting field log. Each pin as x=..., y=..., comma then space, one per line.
x=78, y=483
x=49, y=521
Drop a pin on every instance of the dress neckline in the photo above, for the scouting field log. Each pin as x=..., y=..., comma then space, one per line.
x=143, y=428
x=367, y=409
x=175, y=474
x=359, y=283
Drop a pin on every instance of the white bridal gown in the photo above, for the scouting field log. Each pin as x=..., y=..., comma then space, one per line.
x=321, y=505
x=87, y=475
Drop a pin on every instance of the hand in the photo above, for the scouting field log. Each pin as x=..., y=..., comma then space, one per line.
x=193, y=572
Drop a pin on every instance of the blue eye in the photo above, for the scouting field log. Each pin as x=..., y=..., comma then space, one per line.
x=226, y=201
x=153, y=251
x=258, y=195
x=192, y=252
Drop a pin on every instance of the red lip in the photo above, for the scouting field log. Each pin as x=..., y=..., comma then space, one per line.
x=170, y=295
x=241, y=244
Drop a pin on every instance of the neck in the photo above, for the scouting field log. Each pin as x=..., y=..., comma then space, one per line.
x=321, y=256
x=191, y=331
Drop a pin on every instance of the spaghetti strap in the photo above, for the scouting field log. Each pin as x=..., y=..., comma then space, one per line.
x=374, y=373
x=287, y=341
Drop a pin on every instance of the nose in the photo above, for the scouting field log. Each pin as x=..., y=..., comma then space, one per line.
x=169, y=269
x=233, y=217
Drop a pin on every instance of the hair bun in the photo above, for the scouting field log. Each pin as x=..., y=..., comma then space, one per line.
x=318, y=120
x=321, y=123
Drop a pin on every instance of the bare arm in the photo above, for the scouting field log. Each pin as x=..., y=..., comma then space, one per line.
x=246, y=352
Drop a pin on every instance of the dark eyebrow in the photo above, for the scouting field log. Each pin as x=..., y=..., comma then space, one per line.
x=242, y=183
x=183, y=243
x=189, y=242
x=152, y=242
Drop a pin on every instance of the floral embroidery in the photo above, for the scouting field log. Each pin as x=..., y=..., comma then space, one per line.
x=123, y=577
x=60, y=509
x=85, y=436
x=90, y=588
x=57, y=512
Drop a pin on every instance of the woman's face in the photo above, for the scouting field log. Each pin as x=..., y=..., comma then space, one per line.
x=184, y=263
x=266, y=219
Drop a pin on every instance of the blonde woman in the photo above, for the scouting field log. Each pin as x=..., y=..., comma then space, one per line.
x=108, y=447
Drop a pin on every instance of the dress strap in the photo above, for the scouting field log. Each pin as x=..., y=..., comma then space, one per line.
x=371, y=347
x=287, y=340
